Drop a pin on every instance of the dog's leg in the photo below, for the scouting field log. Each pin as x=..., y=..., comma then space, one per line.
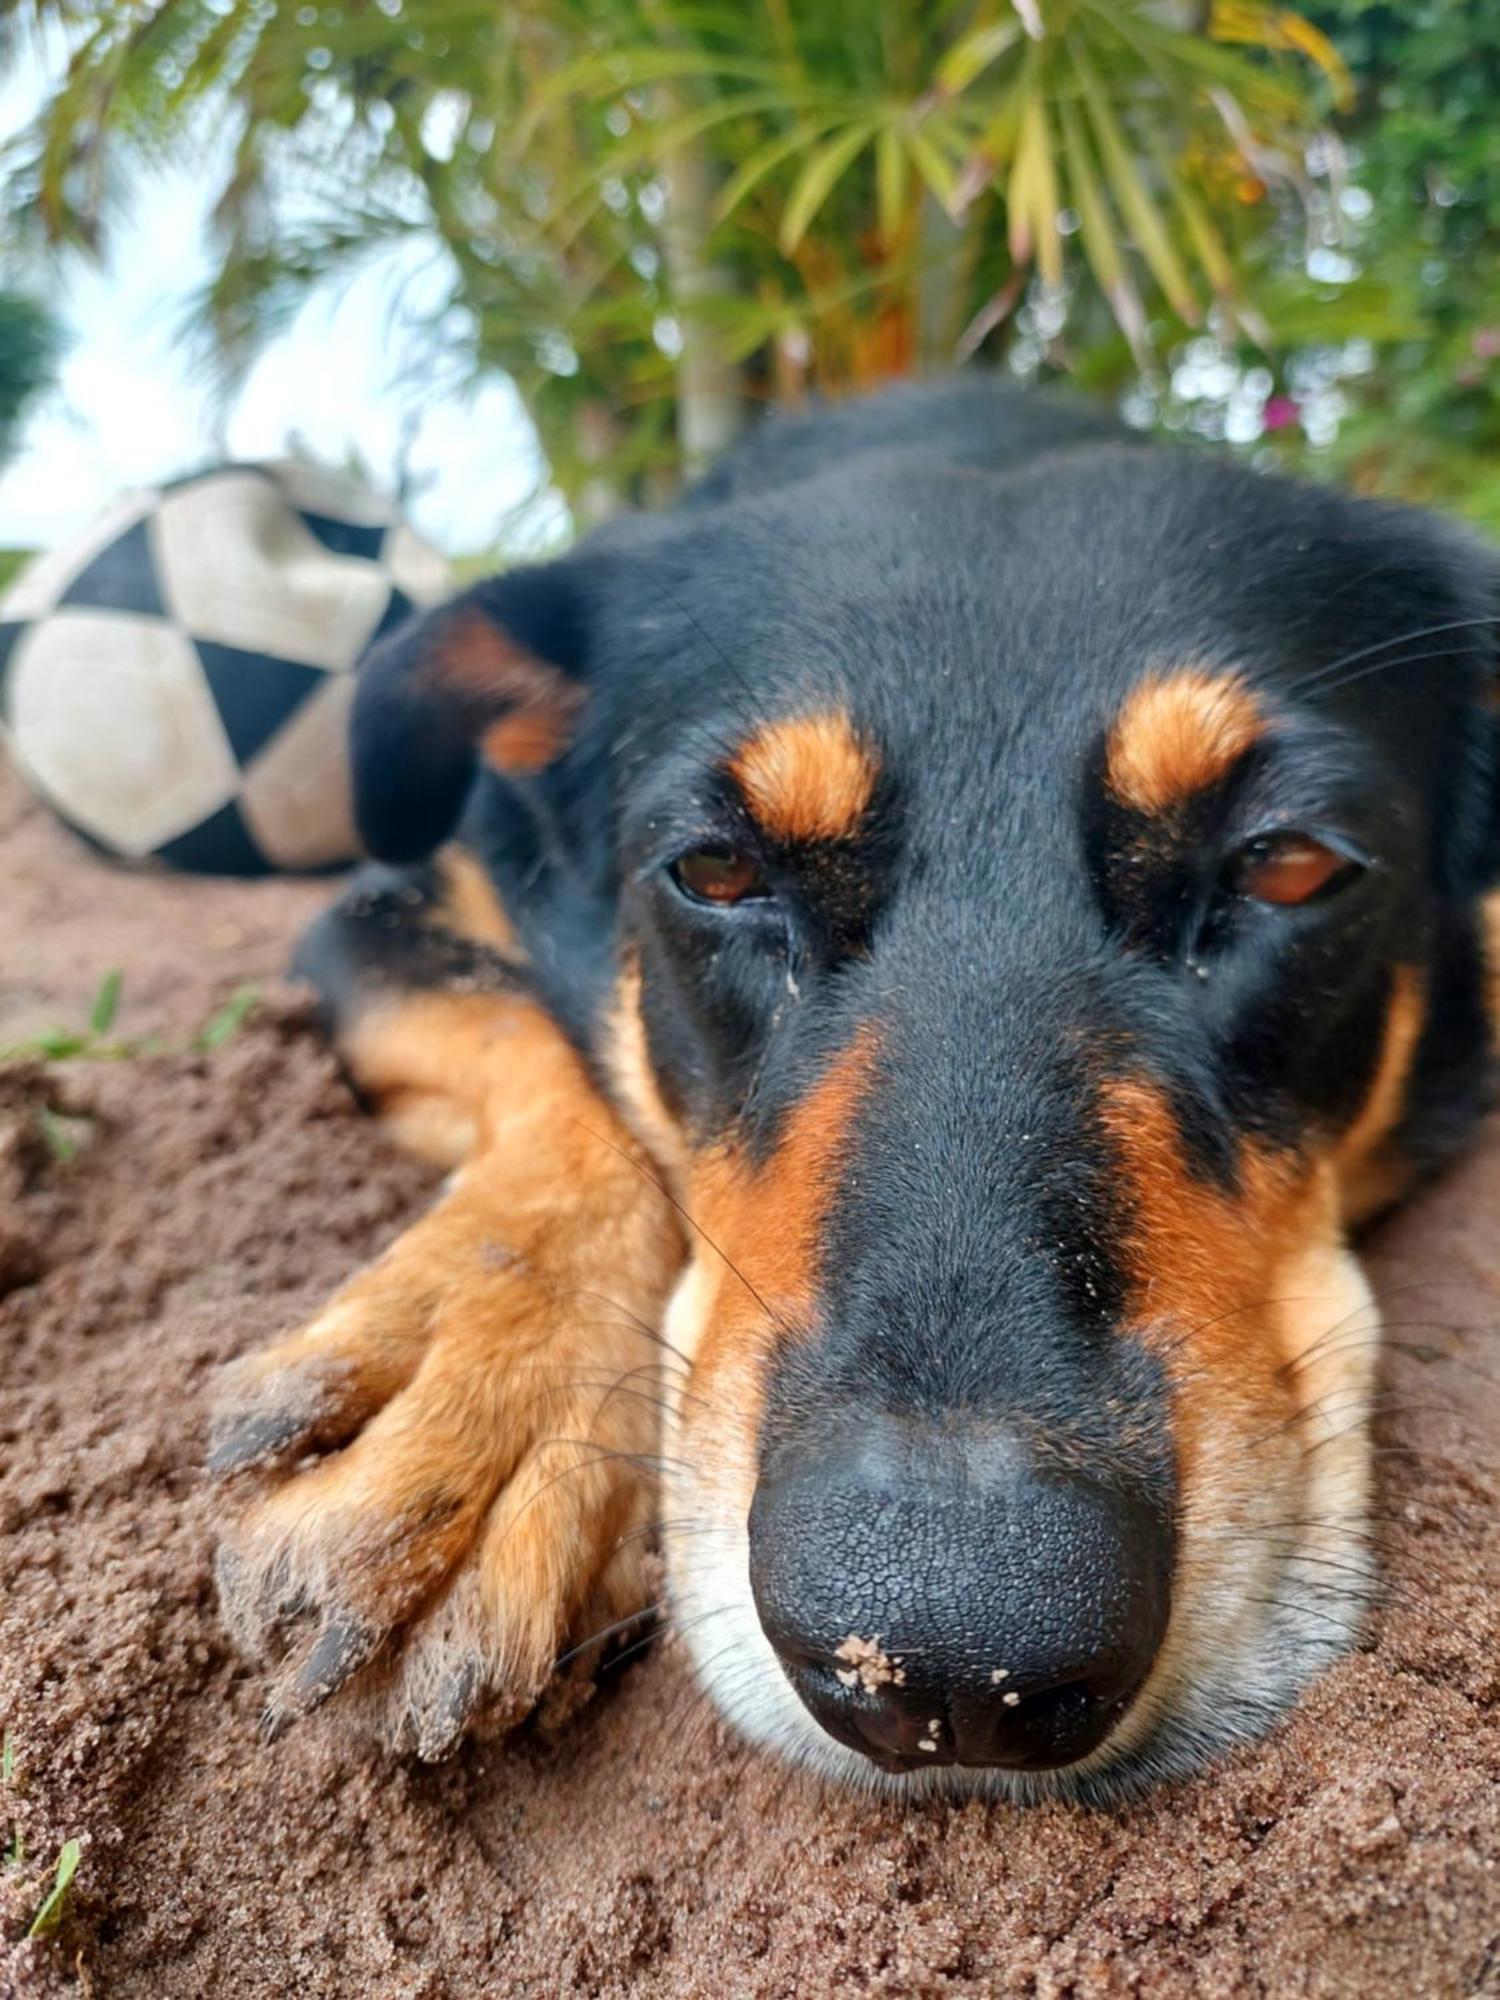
x=456, y=1453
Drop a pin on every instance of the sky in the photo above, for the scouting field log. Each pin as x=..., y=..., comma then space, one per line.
x=128, y=410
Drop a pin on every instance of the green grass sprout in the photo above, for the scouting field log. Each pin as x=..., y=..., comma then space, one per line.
x=59, y=1135
x=231, y=1017
x=50, y=1915
x=93, y=1042
x=106, y=1002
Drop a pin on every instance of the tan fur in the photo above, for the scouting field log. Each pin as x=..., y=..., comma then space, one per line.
x=493, y=1380
x=810, y=778
x=634, y=1078
x=420, y=1086
x=1490, y=934
x=754, y=1271
x=1176, y=734
x=468, y=903
x=1200, y=1255
x=1371, y=1174
x=524, y=743
x=1268, y=1333
x=474, y=659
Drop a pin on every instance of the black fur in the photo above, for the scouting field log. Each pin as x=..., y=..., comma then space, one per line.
x=979, y=579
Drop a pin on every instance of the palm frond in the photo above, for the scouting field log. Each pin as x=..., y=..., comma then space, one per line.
x=548, y=152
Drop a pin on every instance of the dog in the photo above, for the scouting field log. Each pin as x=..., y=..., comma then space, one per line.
x=919, y=959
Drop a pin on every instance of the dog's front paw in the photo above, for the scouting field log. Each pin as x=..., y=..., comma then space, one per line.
x=452, y=1482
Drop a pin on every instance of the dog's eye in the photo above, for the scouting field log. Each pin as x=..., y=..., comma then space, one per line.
x=1289, y=868
x=719, y=875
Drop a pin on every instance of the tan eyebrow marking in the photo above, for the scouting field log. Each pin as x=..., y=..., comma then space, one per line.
x=1178, y=733
x=809, y=778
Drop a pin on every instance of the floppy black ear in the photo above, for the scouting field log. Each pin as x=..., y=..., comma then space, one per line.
x=500, y=668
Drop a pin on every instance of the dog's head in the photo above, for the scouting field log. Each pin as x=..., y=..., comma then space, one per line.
x=1028, y=918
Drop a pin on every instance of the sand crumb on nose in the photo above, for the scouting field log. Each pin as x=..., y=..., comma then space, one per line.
x=868, y=1666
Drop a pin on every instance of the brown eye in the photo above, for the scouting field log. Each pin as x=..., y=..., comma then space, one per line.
x=719, y=875
x=1289, y=868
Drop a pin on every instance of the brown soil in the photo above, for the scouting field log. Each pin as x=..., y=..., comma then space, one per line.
x=640, y=1850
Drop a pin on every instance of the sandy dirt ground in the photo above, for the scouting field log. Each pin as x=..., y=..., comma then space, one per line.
x=640, y=1850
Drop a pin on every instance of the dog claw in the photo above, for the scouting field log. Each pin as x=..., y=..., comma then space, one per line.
x=238, y=1443
x=342, y=1647
x=440, y=1724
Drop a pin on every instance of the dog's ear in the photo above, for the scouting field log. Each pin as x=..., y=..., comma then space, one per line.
x=1416, y=665
x=500, y=671
x=1469, y=802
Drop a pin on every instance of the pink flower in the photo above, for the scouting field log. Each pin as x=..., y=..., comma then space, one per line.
x=1280, y=413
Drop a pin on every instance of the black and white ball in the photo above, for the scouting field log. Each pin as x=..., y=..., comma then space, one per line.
x=176, y=683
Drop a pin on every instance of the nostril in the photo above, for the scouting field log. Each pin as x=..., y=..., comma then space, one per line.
x=1059, y=1717
x=873, y=1722
x=1018, y=1720
x=1038, y=1727
x=1023, y=1616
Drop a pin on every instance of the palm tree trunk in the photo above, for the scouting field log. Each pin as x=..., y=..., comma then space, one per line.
x=710, y=406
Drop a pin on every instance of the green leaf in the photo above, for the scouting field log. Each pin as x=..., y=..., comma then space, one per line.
x=7, y=1760
x=972, y=54
x=52, y=1045
x=1369, y=308
x=1212, y=254
x=818, y=179
x=1129, y=190
x=612, y=72
x=59, y=1141
x=653, y=144
x=997, y=144
x=230, y=1018
x=1100, y=244
x=1021, y=240
x=106, y=1002
x=1182, y=59
x=891, y=177
x=1034, y=185
x=935, y=170
x=49, y=1916
x=766, y=159
x=1280, y=29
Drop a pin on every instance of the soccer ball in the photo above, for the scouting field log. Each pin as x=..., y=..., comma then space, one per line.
x=176, y=683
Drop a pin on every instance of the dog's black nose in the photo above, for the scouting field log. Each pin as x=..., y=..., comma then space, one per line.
x=942, y=1599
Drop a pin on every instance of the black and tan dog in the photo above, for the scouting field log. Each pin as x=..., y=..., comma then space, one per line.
x=952, y=928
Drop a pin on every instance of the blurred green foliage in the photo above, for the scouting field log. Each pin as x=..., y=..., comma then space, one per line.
x=1275, y=227
x=29, y=346
x=1425, y=151
x=654, y=213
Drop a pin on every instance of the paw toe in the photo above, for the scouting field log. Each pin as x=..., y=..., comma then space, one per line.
x=439, y=1716
x=236, y=1441
x=261, y=1417
x=344, y=1644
